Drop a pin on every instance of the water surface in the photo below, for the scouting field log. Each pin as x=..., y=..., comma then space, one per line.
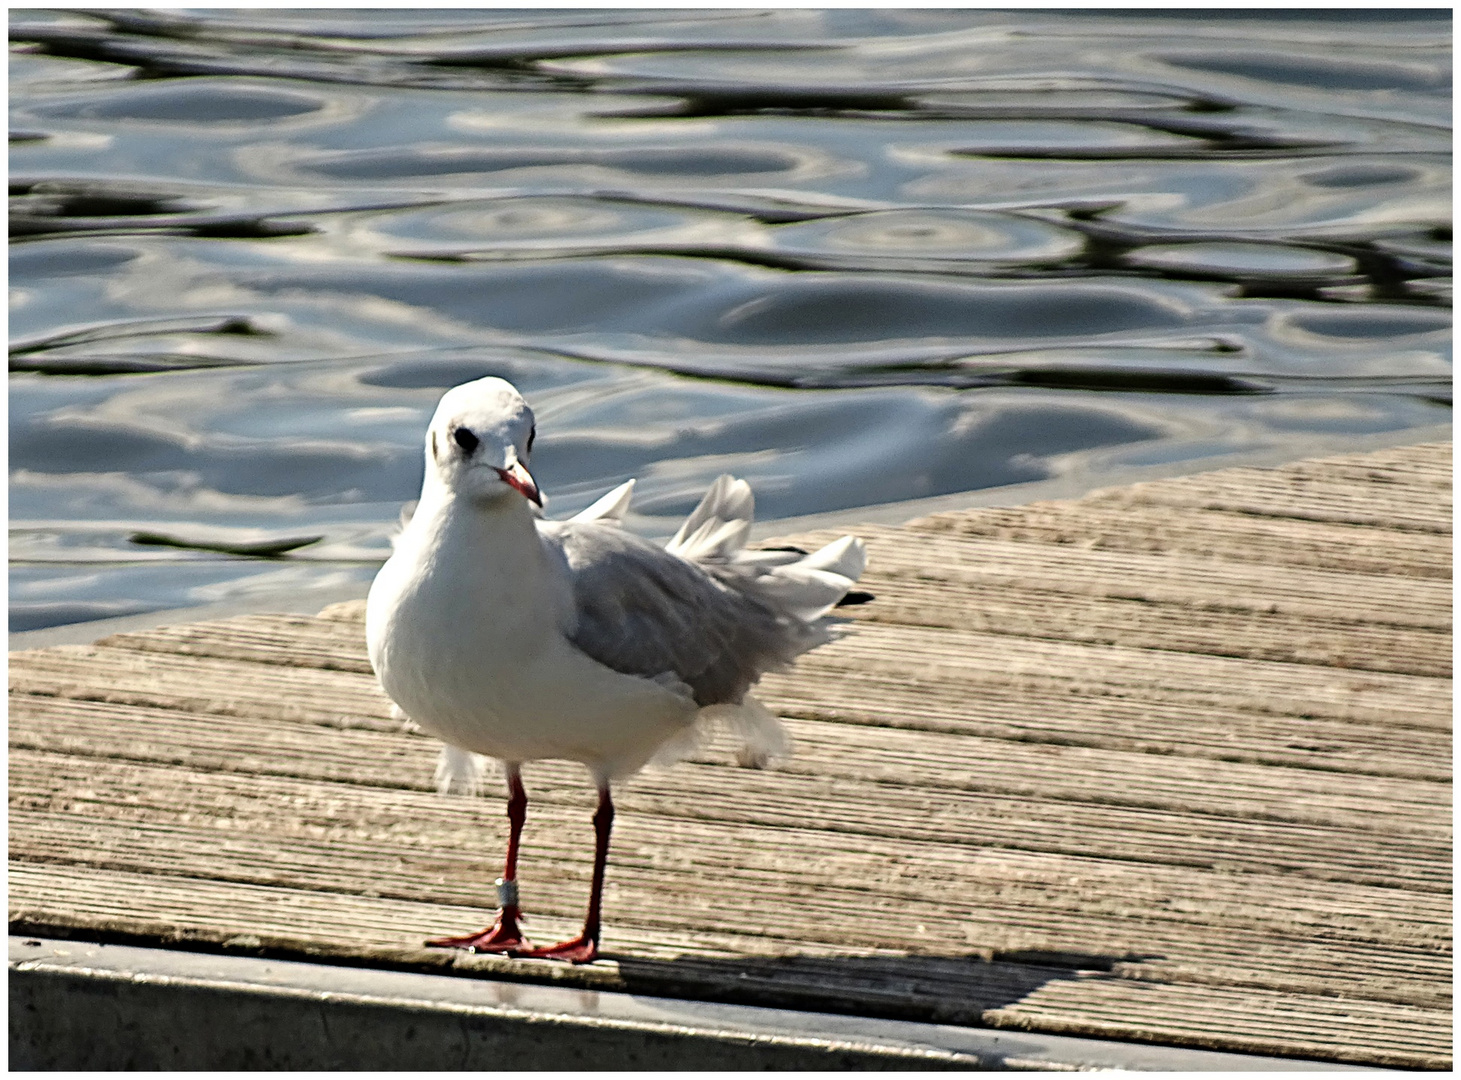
x=856, y=257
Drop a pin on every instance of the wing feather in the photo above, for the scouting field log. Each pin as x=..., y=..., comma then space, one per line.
x=644, y=611
x=701, y=611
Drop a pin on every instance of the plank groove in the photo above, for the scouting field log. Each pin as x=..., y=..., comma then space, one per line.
x=886, y=755
x=949, y=990
x=1207, y=534
x=1169, y=763
x=846, y=809
x=1049, y=692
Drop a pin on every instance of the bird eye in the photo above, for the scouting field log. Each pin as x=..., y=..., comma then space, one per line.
x=533, y=434
x=465, y=439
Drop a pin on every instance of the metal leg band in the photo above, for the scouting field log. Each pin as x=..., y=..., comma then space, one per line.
x=506, y=893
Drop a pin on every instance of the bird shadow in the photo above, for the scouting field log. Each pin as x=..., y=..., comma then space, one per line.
x=957, y=989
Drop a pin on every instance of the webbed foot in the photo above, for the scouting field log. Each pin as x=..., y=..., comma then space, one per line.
x=502, y=936
x=581, y=950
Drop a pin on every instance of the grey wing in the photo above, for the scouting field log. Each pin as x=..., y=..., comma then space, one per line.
x=644, y=611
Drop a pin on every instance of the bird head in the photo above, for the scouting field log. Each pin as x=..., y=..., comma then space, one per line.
x=480, y=440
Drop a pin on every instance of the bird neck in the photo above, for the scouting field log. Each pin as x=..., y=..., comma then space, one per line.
x=482, y=525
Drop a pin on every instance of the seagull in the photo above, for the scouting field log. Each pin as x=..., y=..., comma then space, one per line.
x=510, y=636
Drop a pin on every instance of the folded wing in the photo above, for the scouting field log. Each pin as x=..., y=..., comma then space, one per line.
x=703, y=610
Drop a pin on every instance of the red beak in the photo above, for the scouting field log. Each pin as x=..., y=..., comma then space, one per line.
x=516, y=476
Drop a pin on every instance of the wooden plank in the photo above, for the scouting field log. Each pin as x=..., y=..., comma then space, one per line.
x=1205, y=584
x=125, y=676
x=1299, y=493
x=1145, y=624
x=926, y=760
x=1158, y=601
x=1049, y=692
x=1395, y=968
x=1315, y=1026
x=1042, y=715
x=981, y=820
x=336, y=644
x=282, y=832
x=312, y=923
x=843, y=812
x=1207, y=534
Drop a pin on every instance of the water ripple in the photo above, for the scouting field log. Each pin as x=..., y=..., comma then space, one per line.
x=856, y=256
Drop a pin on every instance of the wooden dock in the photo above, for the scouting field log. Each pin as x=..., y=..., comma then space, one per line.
x=1168, y=764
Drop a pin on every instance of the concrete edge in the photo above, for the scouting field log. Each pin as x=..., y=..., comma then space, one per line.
x=1069, y=486
x=76, y=1004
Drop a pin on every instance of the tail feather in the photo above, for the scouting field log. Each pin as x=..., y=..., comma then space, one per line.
x=803, y=585
x=760, y=731
x=609, y=508
x=846, y=557
x=804, y=592
x=720, y=525
x=461, y=772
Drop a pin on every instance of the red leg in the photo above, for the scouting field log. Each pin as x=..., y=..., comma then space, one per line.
x=584, y=948
x=504, y=933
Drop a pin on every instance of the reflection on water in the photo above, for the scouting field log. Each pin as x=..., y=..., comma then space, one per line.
x=857, y=257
